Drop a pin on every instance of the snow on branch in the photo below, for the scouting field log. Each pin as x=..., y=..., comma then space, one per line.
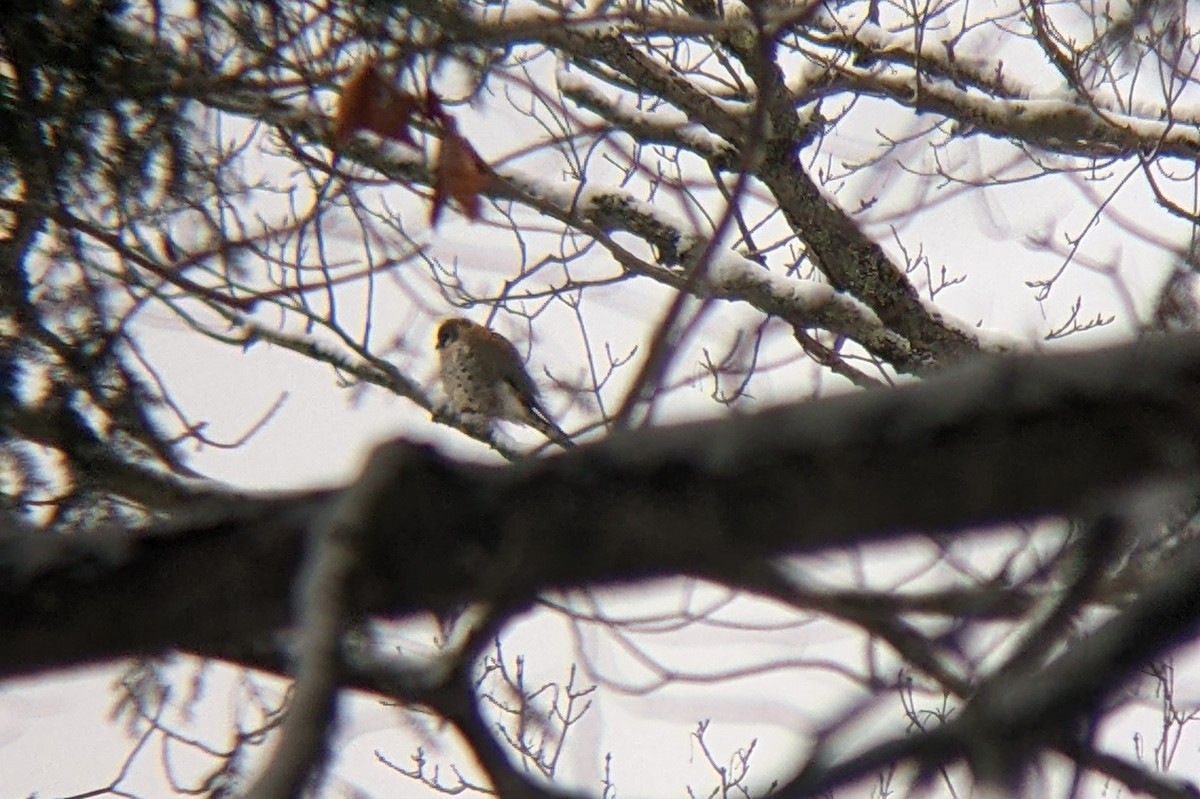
x=801, y=303
x=661, y=126
x=1060, y=120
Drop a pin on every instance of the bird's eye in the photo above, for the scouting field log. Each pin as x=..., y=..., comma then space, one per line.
x=445, y=335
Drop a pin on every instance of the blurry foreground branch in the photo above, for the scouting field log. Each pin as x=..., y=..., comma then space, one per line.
x=995, y=441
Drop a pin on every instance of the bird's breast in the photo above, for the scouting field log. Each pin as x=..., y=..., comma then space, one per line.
x=463, y=381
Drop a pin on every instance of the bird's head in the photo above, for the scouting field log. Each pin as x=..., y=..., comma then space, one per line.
x=452, y=330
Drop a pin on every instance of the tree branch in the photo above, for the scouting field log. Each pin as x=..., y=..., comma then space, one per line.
x=995, y=441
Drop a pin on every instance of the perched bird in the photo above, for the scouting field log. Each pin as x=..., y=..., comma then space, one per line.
x=482, y=375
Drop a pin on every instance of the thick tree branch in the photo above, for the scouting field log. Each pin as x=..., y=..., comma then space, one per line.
x=332, y=561
x=996, y=441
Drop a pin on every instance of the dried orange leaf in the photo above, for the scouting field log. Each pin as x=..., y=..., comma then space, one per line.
x=459, y=173
x=371, y=102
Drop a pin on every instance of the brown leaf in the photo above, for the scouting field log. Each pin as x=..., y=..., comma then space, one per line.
x=459, y=173
x=372, y=102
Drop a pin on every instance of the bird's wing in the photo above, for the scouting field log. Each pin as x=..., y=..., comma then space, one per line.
x=506, y=364
x=511, y=370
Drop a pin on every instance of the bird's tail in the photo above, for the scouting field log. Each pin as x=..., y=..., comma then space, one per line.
x=552, y=431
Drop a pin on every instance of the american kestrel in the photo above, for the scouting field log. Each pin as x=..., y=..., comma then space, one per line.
x=482, y=375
